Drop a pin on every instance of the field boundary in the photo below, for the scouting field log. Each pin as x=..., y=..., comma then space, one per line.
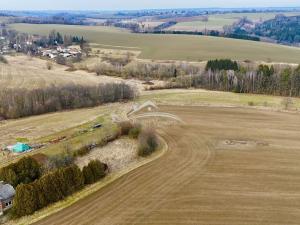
x=56, y=207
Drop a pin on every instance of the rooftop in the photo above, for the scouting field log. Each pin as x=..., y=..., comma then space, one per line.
x=6, y=191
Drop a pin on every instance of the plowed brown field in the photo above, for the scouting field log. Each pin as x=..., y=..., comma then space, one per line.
x=225, y=166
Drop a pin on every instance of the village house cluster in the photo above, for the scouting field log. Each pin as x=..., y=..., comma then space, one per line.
x=60, y=51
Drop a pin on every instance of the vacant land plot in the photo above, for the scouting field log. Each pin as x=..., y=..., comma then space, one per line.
x=224, y=166
x=174, y=47
x=117, y=154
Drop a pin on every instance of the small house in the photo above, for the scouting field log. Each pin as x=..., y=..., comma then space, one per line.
x=7, y=193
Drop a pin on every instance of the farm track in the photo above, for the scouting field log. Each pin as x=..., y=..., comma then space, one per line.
x=200, y=181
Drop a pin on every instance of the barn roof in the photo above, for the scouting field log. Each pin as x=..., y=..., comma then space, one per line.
x=6, y=191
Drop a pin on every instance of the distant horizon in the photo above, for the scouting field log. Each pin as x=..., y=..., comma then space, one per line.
x=129, y=5
x=150, y=9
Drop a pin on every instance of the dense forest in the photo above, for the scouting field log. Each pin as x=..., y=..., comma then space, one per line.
x=262, y=80
x=283, y=29
x=16, y=103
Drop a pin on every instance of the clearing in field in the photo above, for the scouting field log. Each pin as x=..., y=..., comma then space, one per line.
x=174, y=47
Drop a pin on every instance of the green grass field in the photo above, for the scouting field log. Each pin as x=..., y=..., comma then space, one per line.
x=218, y=21
x=174, y=47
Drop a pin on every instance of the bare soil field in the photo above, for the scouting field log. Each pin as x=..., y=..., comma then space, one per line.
x=225, y=166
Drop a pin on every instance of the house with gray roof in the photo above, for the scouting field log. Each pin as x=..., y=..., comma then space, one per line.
x=7, y=193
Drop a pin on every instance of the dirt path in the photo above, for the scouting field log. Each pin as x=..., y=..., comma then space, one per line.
x=224, y=166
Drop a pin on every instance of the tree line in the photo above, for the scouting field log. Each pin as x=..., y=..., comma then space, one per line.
x=55, y=186
x=221, y=64
x=16, y=103
x=262, y=80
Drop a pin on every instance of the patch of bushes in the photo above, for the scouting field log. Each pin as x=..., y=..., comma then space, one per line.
x=147, y=142
x=94, y=171
x=251, y=103
x=125, y=127
x=25, y=171
x=50, y=188
x=131, y=129
x=61, y=160
x=135, y=131
x=222, y=64
x=84, y=150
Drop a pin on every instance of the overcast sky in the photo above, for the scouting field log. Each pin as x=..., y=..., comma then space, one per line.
x=138, y=4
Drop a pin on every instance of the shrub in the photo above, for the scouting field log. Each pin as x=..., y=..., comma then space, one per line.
x=49, y=65
x=50, y=188
x=125, y=127
x=287, y=103
x=84, y=150
x=135, y=131
x=25, y=200
x=251, y=103
x=61, y=60
x=147, y=142
x=64, y=159
x=94, y=171
x=3, y=59
x=25, y=171
x=222, y=64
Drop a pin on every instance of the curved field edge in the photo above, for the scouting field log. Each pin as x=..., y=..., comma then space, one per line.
x=174, y=47
x=56, y=207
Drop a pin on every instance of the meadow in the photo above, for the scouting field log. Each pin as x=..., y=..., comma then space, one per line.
x=173, y=47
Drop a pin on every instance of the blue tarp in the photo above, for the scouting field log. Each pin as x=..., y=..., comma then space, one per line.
x=21, y=147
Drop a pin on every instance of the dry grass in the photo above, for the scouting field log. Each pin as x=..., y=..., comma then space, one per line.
x=117, y=154
x=26, y=72
x=201, y=97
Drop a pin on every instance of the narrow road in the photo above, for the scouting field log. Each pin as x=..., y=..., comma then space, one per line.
x=203, y=180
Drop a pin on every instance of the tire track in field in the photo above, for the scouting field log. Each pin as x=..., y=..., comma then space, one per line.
x=161, y=189
x=202, y=181
x=152, y=182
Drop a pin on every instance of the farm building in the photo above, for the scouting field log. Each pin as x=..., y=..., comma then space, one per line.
x=7, y=193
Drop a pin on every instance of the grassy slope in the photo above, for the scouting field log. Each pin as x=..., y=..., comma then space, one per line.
x=176, y=47
x=216, y=98
x=218, y=21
